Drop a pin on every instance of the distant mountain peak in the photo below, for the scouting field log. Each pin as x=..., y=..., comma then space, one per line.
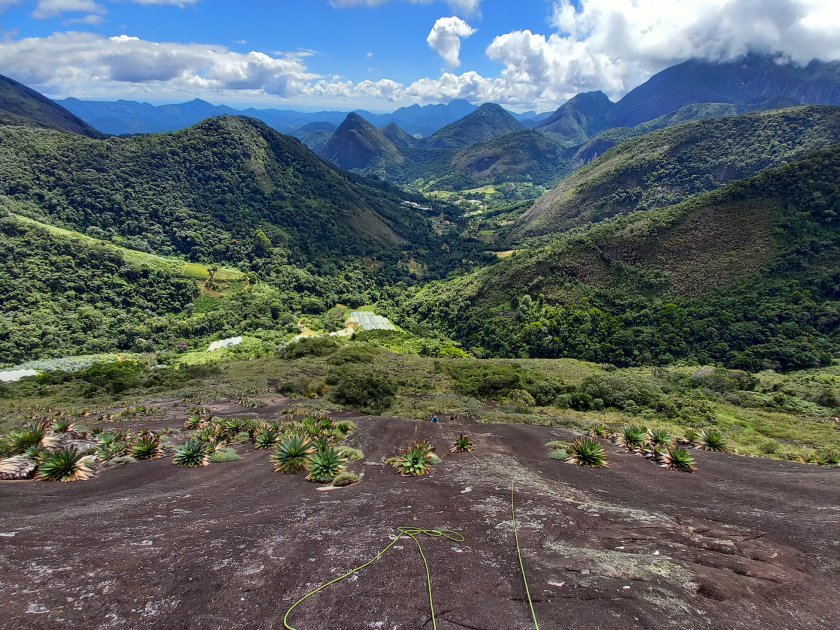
x=357, y=143
x=485, y=123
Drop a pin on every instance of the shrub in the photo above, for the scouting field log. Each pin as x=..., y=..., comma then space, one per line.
x=358, y=354
x=560, y=453
x=482, y=380
x=309, y=346
x=66, y=464
x=350, y=453
x=619, y=390
x=588, y=452
x=345, y=479
x=545, y=391
x=519, y=398
x=224, y=455
x=369, y=393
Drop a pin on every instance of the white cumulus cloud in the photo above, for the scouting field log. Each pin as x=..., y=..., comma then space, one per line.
x=445, y=38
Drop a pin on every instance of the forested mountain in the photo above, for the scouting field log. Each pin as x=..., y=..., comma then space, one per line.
x=358, y=144
x=514, y=156
x=752, y=78
x=400, y=138
x=487, y=122
x=19, y=101
x=747, y=275
x=579, y=119
x=669, y=165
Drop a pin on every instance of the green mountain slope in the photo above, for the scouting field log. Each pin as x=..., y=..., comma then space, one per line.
x=69, y=295
x=400, y=138
x=580, y=118
x=18, y=100
x=357, y=144
x=745, y=80
x=487, y=122
x=525, y=154
x=669, y=165
x=203, y=192
x=747, y=275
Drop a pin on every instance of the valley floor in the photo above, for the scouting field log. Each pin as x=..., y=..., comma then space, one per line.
x=742, y=543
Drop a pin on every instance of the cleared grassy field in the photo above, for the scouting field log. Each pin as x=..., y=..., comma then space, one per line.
x=173, y=266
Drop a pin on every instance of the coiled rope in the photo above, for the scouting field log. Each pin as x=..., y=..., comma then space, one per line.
x=411, y=532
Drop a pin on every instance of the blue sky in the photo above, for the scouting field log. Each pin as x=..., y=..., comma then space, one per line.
x=382, y=54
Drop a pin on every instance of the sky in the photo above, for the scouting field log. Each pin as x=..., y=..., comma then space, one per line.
x=383, y=54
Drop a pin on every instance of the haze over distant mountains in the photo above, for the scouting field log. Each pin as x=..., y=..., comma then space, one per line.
x=123, y=117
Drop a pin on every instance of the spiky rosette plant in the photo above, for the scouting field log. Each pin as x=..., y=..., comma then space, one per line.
x=631, y=437
x=463, y=444
x=292, y=454
x=416, y=460
x=65, y=464
x=106, y=439
x=690, y=437
x=711, y=440
x=325, y=465
x=658, y=437
x=146, y=448
x=31, y=435
x=193, y=422
x=587, y=452
x=654, y=452
x=267, y=439
x=207, y=434
x=321, y=442
x=110, y=451
x=677, y=458
x=62, y=426
x=599, y=430
x=38, y=452
x=192, y=455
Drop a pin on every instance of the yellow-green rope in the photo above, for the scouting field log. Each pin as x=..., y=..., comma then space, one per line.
x=411, y=532
x=521, y=564
x=515, y=533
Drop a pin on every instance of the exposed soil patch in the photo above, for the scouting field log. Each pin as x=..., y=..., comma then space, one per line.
x=742, y=543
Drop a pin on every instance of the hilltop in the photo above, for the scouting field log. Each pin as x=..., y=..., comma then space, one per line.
x=487, y=122
x=358, y=144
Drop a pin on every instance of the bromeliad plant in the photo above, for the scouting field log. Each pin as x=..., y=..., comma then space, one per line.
x=711, y=440
x=62, y=426
x=599, y=430
x=677, y=458
x=658, y=437
x=587, y=452
x=631, y=437
x=324, y=465
x=66, y=464
x=31, y=435
x=147, y=448
x=416, y=460
x=463, y=444
x=267, y=438
x=192, y=455
x=292, y=454
x=690, y=438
